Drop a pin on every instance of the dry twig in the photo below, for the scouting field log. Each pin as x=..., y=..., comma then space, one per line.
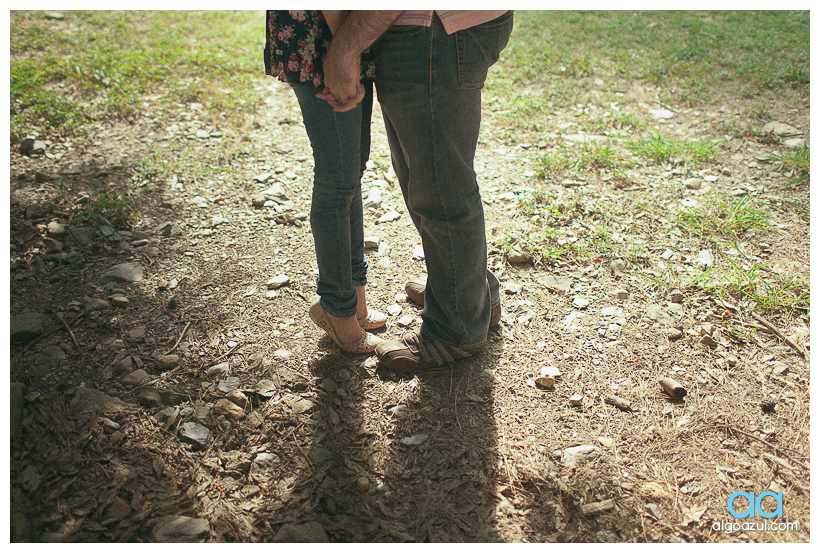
x=73, y=339
x=771, y=445
x=796, y=347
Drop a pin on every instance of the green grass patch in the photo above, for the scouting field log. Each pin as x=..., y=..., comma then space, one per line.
x=797, y=162
x=103, y=64
x=657, y=147
x=702, y=54
x=724, y=216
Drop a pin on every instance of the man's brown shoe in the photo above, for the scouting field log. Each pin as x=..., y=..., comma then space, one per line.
x=415, y=291
x=417, y=353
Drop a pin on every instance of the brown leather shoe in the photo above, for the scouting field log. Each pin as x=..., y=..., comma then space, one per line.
x=417, y=353
x=415, y=291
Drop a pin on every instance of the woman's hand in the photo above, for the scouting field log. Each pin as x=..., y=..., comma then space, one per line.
x=326, y=94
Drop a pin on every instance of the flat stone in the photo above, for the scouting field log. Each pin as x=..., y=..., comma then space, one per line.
x=415, y=439
x=512, y=288
x=612, y=312
x=228, y=384
x=418, y=252
x=278, y=281
x=661, y=114
x=780, y=129
x=705, y=258
x=218, y=370
x=181, y=529
x=405, y=321
x=83, y=235
x=794, y=143
x=228, y=409
x=374, y=198
x=311, y=532
x=389, y=216
x=580, y=303
x=264, y=461
x=56, y=229
x=195, y=434
x=168, y=230
x=560, y=285
x=119, y=301
x=124, y=272
x=168, y=362
x=657, y=313
x=136, y=378
x=88, y=400
x=265, y=388
x=297, y=404
x=150, y=396
x=26, y=326
x=516, y=256
x=394, y=310
x=371, y=242
x=48, y=360
x=576, y=456
x=676, y=296
x=291, y=380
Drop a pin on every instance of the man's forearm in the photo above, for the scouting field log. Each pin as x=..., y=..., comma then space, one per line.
x=360, y=29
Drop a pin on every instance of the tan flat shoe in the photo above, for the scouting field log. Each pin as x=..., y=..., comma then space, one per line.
x=366, y=344
x=373, y=320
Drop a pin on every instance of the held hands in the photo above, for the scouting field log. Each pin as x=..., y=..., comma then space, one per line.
x=337, y=105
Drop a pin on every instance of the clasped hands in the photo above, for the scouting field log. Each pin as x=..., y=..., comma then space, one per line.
x=343, y=90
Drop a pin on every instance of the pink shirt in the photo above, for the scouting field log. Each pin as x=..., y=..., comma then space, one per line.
x=453, y=20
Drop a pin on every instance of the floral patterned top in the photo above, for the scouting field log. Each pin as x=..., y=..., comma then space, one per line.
x=295, y=43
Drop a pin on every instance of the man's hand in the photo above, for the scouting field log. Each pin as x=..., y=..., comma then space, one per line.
x=342, y=63
x=331, y=99
x=341, y=70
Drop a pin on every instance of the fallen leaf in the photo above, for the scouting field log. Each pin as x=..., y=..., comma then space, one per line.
x=692, y=514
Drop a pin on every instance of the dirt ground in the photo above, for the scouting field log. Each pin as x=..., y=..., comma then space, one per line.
x=471, y=453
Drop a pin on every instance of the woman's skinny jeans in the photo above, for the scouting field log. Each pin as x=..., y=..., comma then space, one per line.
x=341, y=147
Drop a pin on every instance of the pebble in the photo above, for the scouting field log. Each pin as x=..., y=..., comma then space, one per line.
x=371, y=242
x=394, y=310
x=415, y=439
x=399, y=411
x=515, y=256
x=229, y=409
x=391, y=215
x=26, y=326
x=418, y=252
x=621, y=294
x=512, y=288
x=56, y=229
x=181, y=529
x=576, y=400
x=580, y=303
x=97, y=304
x=168, y=362
x=119, y=301
x=654, y=511
x=405, y=321
x=617, y=265
x=310, y=532
x=676, y=296
x=705, y=258
x=384, y=250
x=218, y=370
x=136, y=378
x=124, y=272
x=572, y=457
x=278, y=281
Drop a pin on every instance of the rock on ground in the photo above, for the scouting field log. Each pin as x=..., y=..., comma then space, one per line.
x=180, y=529
x=310, y=532
x=26, y=326
x=87, y=400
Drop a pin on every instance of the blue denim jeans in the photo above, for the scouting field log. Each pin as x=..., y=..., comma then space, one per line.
x=429, y=88
x=341, y=147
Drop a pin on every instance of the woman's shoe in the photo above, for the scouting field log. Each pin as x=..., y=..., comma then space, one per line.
x=366, y=344
x=373, y=320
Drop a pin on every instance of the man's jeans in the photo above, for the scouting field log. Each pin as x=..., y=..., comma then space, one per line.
x=429, y=87
x=341, y=147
